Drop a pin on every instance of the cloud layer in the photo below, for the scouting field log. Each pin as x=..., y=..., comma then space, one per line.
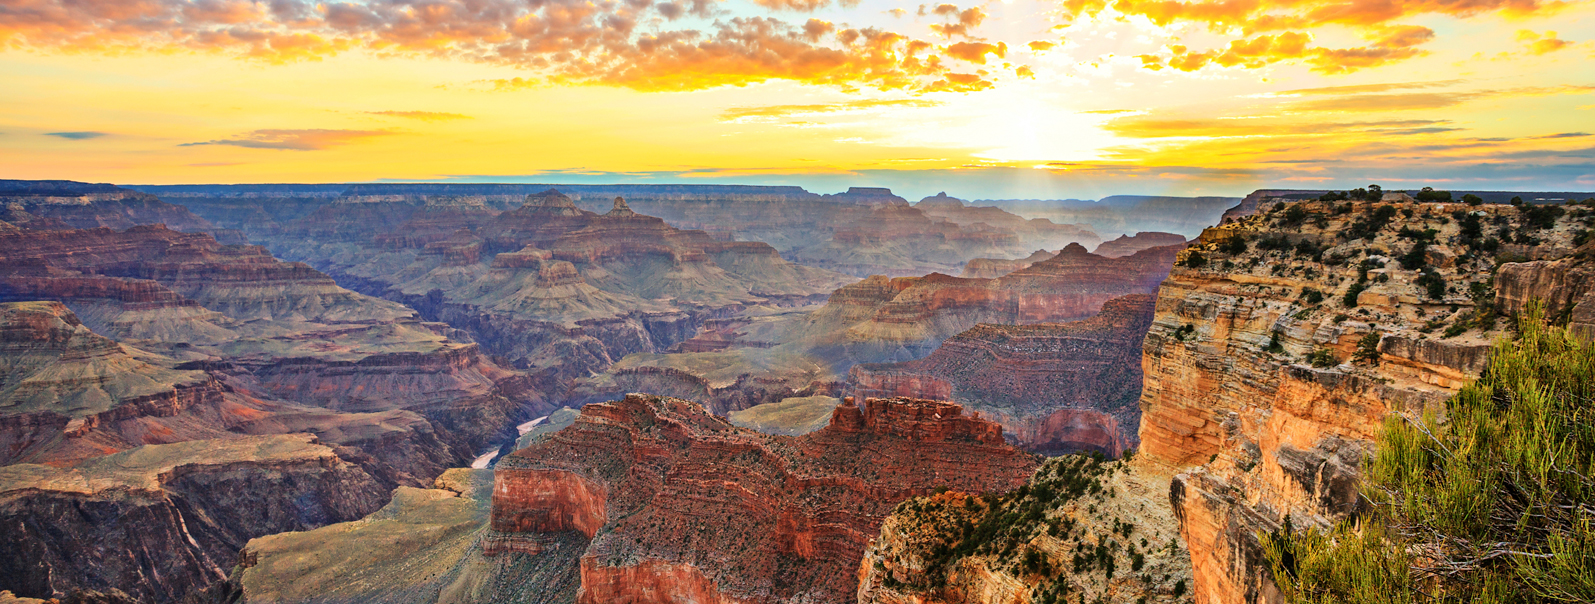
x=626, y=43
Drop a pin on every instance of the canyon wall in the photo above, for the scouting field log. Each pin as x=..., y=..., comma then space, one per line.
x=1055, y=387
x=677, y=503
x=1287, y=335
x=160, y=522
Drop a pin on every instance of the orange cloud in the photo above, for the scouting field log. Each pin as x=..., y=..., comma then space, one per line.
x=776, y=111
x=975, y=52
x=294, y=140
x=1254, y=19
x=961, y=21
x=563, y=41
x=1042, y=45
x=425, y=116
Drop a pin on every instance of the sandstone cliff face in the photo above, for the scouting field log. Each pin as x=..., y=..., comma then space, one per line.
x=1057, y=387
x=679, y=504
x=1232, y=399
x=1079, y=530
x=160, y=522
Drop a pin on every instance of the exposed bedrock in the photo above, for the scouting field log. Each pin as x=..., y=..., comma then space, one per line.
x=880, y=319
x=160, y=522
x=677, y=503
x=1128, y=245
x=1055, y=387
x=1265, y=397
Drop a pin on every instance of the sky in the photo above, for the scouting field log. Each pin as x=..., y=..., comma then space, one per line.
x=985, y=100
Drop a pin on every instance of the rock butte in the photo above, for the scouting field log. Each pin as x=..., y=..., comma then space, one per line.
x=678, y=505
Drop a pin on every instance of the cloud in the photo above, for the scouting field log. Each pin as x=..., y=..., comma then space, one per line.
x=77, y=136
x=780, y=111
x=1165, y=127
x=425, y=116
x=1564, y=135
x=627, y=43
x=1424, y=100
x=1041, y=45
x=1256, y=21
x=1369, y=88
x=294, y=140
x=975, y=52
x=1541, y=44
x=959, y=23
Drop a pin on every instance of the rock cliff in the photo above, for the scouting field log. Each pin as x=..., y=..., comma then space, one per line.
x=62, y=204
x=160, y=522
x=676, y=504
x=1286, y=336
x=1056, y=387
x=1079, y=530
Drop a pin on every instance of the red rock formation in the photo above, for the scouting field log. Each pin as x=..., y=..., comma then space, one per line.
x=991, y=268
x=1128, y=245
x=1055, y=386
x=693, y=507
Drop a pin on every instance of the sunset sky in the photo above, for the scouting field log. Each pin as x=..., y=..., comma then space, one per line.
x=1025, y=98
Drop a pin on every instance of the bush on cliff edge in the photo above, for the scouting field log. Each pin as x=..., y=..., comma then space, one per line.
x=1497, y=504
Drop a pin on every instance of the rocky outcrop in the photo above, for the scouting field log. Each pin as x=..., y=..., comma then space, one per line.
x=1270, y=366
x=677, y=499
x=1079, y=529
x=1128, y=245
x=1056, y=387
x=160, y=522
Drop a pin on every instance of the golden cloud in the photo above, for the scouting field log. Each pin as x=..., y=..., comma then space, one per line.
x=294, y=140
x=1256, y=20
x=425, y=116
x=563, y=41
x=775, y=111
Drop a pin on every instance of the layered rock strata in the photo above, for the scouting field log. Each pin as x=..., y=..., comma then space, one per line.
x=881, y=319
x=1128, y=245
x=679, y=505
x=1270, y=366
x=284, y=329
x=160, y=522
x=547, y=285
x=1056, y=387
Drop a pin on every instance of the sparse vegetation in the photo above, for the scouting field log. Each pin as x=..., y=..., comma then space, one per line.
x=1367, y=349
x=1323, y=358
x=1496, y=504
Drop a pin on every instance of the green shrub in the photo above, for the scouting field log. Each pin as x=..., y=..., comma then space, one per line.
x=1495, y=505
x=1472, y=200
x=1311, y=296
x=1322, y=358
x=1234, y=246
x=1193, y=259
x=1367, y=349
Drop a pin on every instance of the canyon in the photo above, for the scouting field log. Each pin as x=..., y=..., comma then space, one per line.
x=661, y=408
x=1055, y=387
x=676, y=504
